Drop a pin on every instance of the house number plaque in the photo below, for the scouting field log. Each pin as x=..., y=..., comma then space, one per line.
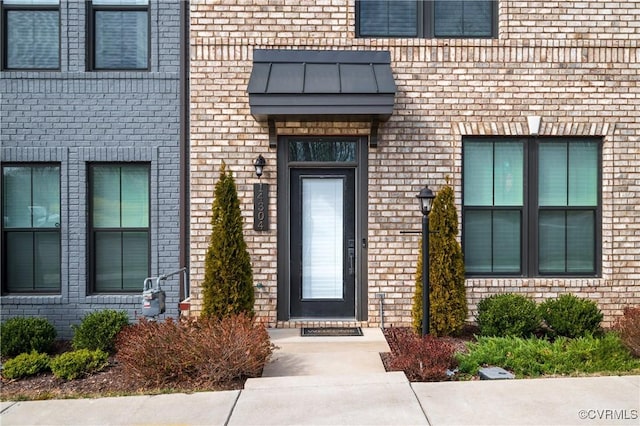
x=260, y=207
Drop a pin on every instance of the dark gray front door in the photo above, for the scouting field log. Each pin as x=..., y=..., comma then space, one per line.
x=323, y=242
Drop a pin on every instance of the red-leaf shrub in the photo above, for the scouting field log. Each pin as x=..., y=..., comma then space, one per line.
x=202, y=352
x=629, y=328
x=423, y=359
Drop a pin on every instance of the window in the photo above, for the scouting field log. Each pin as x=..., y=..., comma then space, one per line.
x=531, y=207
x=411, y=18
x=31, y=228
x=118, y=35
x=119, y=226
x=31, y=34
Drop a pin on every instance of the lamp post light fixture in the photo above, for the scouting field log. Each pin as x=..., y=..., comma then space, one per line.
x=425, y=196
x=259, y=165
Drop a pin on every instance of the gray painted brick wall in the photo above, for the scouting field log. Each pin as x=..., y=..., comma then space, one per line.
x=75, y=117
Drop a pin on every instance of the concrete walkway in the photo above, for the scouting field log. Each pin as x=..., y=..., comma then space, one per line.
x=341, y=381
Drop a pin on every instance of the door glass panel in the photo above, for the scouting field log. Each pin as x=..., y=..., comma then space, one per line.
x=334, y=151
x=322, y=238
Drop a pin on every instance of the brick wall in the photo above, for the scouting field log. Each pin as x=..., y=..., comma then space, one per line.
x=76, y=117
x=575, y=64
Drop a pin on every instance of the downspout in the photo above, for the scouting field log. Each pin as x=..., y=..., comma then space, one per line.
x=184, y=291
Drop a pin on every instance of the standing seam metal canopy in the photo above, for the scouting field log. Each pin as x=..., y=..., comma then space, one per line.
x=311, y=83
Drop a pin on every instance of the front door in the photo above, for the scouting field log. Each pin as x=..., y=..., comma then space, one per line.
x=323, y=242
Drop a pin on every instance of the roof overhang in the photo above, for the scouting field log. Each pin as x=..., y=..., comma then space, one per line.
x=320, y=85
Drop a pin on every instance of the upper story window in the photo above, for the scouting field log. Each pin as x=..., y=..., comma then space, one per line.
x=118, y=36
x=31, y=228
x=411, y=18
x=30, y=34
x=532, y=207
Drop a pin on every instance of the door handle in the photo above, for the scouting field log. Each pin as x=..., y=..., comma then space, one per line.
x=352, y=255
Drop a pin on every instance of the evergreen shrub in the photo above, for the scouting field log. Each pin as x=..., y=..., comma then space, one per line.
x=228, y=279
x=98, y=330
x=25, y=365
x=25, y=334
x=79, y=363
x=533, y=357
x=571, y=316
x=507, y=314
x=447, y=294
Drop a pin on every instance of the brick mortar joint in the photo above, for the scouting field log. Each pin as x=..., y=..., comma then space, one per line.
x=415, y=42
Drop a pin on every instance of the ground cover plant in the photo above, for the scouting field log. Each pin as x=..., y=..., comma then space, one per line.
x=533, y=357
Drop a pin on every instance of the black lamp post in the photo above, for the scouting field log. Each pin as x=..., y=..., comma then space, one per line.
x=259, y=165
x=425, y=196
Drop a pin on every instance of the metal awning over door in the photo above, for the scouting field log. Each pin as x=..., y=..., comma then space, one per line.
x=321, y=84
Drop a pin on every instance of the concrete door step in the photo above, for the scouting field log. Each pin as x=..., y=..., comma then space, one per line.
x=323, y=364
x=395, y=377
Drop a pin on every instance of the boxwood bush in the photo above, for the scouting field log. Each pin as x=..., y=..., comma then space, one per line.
x=507, y=315
x=571, y=316
x=98, y=330
x=19, y=335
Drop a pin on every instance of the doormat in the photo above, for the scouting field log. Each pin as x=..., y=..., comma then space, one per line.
x=330, y=331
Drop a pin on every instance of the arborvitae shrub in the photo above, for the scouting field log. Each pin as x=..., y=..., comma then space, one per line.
x=628, y=326
x=507, y=315
x=25, y=365
x=19, y=335
x=75, y=364
x=571, y=316
x=448, y=302
x=98, y=330
x=228, y=280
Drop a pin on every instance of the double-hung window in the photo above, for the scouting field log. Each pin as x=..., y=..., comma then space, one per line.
x=531, y=207
x=31, y=228
x=118, y=35
x=435, y=18
x=30, y=34
x=119, y=226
